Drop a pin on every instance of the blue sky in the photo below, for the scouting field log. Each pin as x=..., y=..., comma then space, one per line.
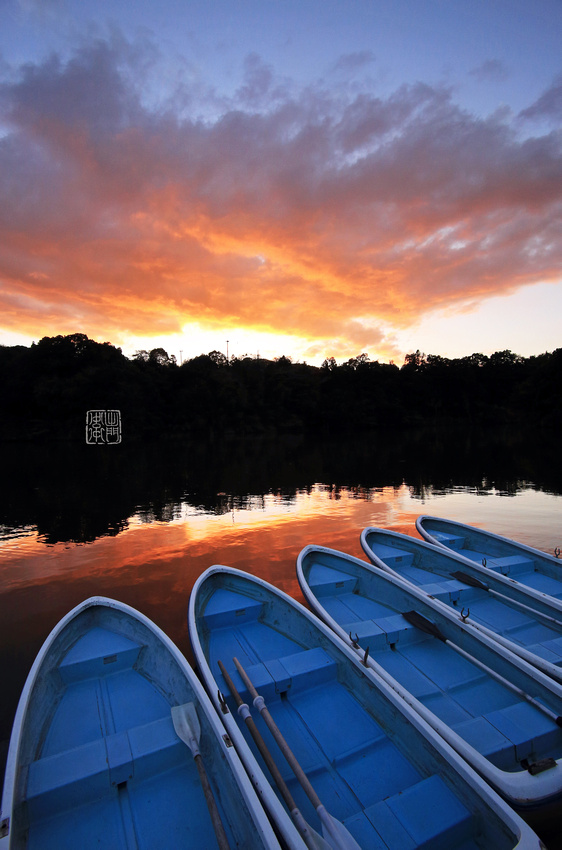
x=305, y=178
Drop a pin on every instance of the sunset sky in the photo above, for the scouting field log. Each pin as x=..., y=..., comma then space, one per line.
x=310, y=178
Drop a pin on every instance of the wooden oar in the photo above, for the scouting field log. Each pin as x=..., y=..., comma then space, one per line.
x=188, y=730
x=431, y=628
x=333, y=830
x=311, y=838
x=475, y=582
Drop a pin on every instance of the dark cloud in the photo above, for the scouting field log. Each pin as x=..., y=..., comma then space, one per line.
x=548, y=106
x=492, y=70
x=120, y=210
x=350, y=63
x=258, y=81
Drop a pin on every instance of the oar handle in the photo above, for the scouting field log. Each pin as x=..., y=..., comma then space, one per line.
x=230, y=684
x=310, y=837
x=260, y=743
x=246, y=679
x=279, y=739
x=220, y=834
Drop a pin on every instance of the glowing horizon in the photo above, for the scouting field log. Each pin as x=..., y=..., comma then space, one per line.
x=174, y=190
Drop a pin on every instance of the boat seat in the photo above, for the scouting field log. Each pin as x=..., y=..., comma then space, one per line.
x=448, y=590
x=367, y=633
x=452, y=541
x=77, y=776
x=308, y=668
x=325, y=581
x=427, y=814
x=519, y=727
x=397, y=629
x=302, y=670
x=392, y=556
x=511, y=565
x=383, y=632
x=97, y=650
x=487, y=740
x=226, y=608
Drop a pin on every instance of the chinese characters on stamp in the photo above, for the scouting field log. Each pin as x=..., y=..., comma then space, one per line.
x=103, y=427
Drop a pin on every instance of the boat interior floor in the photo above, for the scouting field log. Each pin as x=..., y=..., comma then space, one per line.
x=107, y=780
x=490, y=716
x=358, y=771
x=520, y=567
x=487, y=610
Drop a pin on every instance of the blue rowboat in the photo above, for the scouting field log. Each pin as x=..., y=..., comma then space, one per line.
x=381, y=772
x=529, y=626
x=537, y=570
x=501, y=714
x=94, y=758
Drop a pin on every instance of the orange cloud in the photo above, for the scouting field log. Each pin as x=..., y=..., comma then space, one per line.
x=319, y=215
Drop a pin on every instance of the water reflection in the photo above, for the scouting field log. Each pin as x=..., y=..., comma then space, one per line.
x=140, y=524
x=81, y=493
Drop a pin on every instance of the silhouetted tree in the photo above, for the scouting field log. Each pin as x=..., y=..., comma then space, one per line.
x=48, y=387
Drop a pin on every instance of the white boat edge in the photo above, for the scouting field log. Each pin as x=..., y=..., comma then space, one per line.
x=528, y=838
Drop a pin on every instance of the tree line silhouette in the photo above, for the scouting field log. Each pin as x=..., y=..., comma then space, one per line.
x=47, y=389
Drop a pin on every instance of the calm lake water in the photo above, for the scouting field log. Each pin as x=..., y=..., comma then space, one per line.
x=139, y=524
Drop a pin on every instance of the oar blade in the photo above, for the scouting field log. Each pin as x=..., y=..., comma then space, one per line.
x=186, y=724
x=314, y=841
x=311, y=838
x=472, y=581
x=421, y=622
x=335, y=833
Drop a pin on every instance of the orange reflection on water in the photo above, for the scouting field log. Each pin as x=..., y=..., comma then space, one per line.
x=153, y=566
x=175, y=553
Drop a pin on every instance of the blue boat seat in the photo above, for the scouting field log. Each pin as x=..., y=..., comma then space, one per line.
x=367, y=633
x=392, y=556
x=447, y=590
x=88, y=772
x=398, y=629
x=518, y=727
x=383, y=633
x=488, y=740
x=325, y=581
x=452, y=541
x=299, y=671
x=428, y=814
x=548, y=650
x=226, y=608
x=472, y=554
x=68, y=779
x=554, y=649
x=95, y=652
x=511, y=565
x=531, y=732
